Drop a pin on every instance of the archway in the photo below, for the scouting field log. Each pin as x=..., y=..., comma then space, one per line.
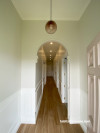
x=53, y=62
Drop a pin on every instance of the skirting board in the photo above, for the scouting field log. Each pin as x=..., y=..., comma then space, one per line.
x=28, y=120
x=83, y=126
x=37, y=108
x=15, y=128
x=74, y=122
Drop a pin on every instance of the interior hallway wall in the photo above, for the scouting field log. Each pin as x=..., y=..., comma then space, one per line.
x=38, y=91
x=61, y=77
x=33, y=36
x=10, y=67
x=89, y=29
x=57, y=64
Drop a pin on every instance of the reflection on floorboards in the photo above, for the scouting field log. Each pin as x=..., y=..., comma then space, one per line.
x=50, y=113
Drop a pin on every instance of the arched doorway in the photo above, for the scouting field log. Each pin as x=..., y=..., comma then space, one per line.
x=53, y=62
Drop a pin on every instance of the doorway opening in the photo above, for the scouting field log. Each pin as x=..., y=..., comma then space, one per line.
x=53, y=64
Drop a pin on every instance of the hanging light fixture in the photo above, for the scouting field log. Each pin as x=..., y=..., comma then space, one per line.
x=51, y=26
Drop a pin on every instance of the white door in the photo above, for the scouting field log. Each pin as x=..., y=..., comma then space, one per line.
x=57, y=74
x=94, y=87
x=43, y=74
x=64, y=81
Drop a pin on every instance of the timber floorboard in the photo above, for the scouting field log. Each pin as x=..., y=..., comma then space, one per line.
x=50, y=113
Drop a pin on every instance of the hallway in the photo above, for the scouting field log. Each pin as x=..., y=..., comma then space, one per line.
x=50, y=113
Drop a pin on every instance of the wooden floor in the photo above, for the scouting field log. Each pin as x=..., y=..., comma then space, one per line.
x=50, y=113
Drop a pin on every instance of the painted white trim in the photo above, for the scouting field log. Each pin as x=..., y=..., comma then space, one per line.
x=93, y=72
x=60, y=88
x=74, y=104
x=28, y=105
x=74, y=122
x=37, y=108
x=5, y=103
x=15, y=127
x=10, y=113
x=38, y=85
x=39, y=101
x=28, y=120
x=84, y=127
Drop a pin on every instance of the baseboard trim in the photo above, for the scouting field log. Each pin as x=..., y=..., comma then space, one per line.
x=28, y=120
x=84, y=127
x=74, y=122
x=15, y=127
x=37, y=108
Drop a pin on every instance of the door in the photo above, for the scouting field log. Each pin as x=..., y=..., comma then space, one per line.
x=94, y=86
x=43, y=74
x=64, y=81
x=57, y=74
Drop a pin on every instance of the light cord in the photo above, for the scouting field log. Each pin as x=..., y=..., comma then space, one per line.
x=50, y=9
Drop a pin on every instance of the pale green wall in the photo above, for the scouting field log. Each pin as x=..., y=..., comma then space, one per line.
x=89, y=29
x=34, y=35
x=10, y=49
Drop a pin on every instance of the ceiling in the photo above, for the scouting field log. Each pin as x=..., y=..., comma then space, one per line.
x=50, y=50
x=61, y=9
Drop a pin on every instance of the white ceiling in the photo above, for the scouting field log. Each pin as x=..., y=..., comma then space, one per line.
x=40, y=9
x=55, y=50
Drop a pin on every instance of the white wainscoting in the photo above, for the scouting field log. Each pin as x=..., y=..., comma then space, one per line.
x=74, y=105
x=60, y=87
x=83, y=109
x=28, y=105
x=38, y=97
x=10, y=113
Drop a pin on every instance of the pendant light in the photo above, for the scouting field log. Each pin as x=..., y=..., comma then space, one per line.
x=51, y=26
